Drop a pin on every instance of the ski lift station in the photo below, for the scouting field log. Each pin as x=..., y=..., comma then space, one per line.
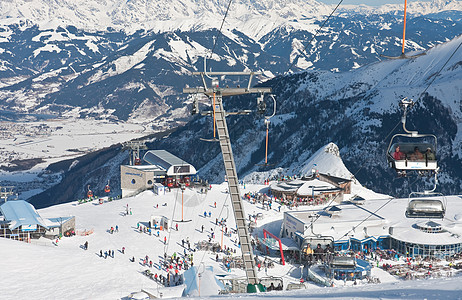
x=382, y=226
x=20, y=221
x=163, y=169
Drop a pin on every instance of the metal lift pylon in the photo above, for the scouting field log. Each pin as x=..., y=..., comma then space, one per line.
x=228, y=159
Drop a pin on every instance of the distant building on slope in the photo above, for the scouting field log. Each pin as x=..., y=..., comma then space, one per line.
x=315, y=189
x=163, y=169
x=20, y=221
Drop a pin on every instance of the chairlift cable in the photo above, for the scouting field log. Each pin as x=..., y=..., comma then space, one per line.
x=365, y=219
x=383, y=140
x=202, y=200
x=170, y=229
x=313, y=37
x=214, y=226
x=221, y=27
x=438, y=73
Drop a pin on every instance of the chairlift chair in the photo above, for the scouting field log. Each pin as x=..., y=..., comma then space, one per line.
x=267, y=122
x=431, y=206
x=406, y=157
x=403, y=55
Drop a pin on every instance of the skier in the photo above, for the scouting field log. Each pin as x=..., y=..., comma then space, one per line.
x=123, y=250
x=100, y=253
x=205, y=214
x=86, y=245
x=117, y=228
x=176, y=225
x=202, y=228
x=165, y=240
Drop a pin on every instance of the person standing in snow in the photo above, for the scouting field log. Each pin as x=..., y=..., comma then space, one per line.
x=123, y=250
x=176, y=226
x=165, y=240
x=86, y=245
x=117, y=228
x=100, y=253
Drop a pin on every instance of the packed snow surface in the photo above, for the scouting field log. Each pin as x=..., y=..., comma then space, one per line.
x=41, y=270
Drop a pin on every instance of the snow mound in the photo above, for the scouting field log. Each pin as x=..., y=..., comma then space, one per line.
x=326, y=160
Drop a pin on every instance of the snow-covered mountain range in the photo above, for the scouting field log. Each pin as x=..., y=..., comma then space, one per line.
x=72, y=59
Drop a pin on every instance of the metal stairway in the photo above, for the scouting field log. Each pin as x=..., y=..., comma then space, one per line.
x=233, y=183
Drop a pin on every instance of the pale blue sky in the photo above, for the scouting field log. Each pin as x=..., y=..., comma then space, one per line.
x=370, y=2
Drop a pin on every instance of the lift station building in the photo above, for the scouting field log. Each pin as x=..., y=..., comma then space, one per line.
x=163, y=169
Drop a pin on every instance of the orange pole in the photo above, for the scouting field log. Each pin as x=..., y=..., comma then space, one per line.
x=214, y=115
x=266, y=151
x=404, y=26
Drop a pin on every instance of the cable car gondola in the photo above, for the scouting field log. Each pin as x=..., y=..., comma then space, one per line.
x=90, y=192
x=412, y=151
x=429, y=205
x=107, y=188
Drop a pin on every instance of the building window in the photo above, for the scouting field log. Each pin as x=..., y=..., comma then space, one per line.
x=133, y=181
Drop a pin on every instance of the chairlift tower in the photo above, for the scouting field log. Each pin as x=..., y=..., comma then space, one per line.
x=6, y=192
x=218, y=93
x=135, y=147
